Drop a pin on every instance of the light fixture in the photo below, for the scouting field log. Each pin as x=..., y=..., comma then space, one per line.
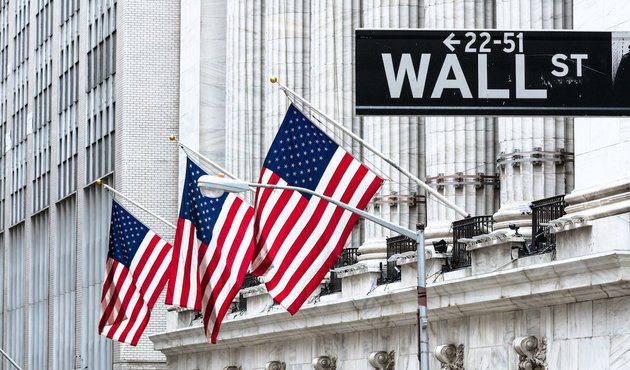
x=215, y=186
x=440, y=246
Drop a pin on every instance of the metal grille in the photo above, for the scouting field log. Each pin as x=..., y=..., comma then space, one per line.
x=348, y=257
x=467, y=228
x=543, y=211
x=395, y=245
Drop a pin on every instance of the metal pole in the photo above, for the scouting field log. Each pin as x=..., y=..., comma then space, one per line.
x=109, y=188
x=369, y=147
x=423, y=323
x=15, y=365
x=206, y=159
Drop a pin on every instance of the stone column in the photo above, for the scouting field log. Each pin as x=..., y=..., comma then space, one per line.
x=400, y=138
x=523, y=176
x=460, y=150
x=331, y=85
x=286, y=35
x=245, y=95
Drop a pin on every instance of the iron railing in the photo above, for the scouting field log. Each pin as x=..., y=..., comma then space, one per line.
x=250, y=281
x=348, y=257
x=543, y=211
x=466, y=228
x=395, y=245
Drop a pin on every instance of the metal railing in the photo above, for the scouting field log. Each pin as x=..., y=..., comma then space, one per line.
x=348, y=257
x=543, y=211
x=395, y=245
x=467, y=228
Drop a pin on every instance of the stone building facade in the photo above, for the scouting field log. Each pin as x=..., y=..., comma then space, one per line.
x=563, y=306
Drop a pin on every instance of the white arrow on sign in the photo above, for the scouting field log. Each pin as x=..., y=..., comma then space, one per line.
x=449, y=42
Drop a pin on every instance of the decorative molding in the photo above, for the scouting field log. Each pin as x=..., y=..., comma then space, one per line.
x=450, y=356
x=532, y=353
x=232, y=368
x=325, y=363
x=382, y=360
x=275, y=365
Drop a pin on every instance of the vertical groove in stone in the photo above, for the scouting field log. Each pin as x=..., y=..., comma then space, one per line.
x=522, y=184
x=389, y=134
x=459, y=144
x=244, y=79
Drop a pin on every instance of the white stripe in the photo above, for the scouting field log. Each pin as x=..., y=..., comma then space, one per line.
x=297, y=230
x=144, y=310
x=238, y=259
x=181, y=264
x=159, y=273
x=194, y=280
x=121, y=293
x=142, y=250
x=129, y=309
x=330, y=246
x=109, y=297
x=321, y=225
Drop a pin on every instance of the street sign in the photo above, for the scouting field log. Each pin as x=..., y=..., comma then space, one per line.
x=492, y=72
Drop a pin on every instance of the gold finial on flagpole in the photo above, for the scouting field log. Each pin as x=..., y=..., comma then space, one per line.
x=273, y=79
x=221, y=175
x=99, y=182
x=171, y=137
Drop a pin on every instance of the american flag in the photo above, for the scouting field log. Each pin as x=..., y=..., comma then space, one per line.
x=135, y=273
x=213, y=248
x=299, y=237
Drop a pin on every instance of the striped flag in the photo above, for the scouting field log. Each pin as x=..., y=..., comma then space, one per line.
x=299, y=236
x=135, y=273
x=213, y=248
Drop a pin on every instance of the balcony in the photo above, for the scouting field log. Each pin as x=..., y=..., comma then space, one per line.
x=395, y=245
x=543, y=211
x=466, y=229
x=348, y=257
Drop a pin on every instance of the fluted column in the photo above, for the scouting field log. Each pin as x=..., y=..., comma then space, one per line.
x=460, y=150
x=245, y=95
x=400, y=138
x=528, y=179
x=287, y=55
x=332, y=28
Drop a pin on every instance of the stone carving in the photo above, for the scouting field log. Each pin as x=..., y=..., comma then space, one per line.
x=450, y=356
x=532, y=353
x=382, y=360
x=325, y=363
x=275, y=365
x=232, y=368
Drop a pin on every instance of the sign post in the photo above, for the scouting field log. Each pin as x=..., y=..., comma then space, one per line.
x=492, y=72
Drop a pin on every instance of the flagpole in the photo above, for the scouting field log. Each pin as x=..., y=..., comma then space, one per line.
x=421, y=183
x=10, y=359
x=112, y=190
x=206, y=159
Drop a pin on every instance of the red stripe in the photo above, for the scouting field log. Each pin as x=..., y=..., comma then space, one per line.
x=310, y=287
x=173, y=283
x=126, y=295
x=219, y=245
x=311, y=225
x=141, y=327
x=259, y=206
x=108, y=278
x=115, y=297
x=160, y=261
x=188, y=283
x=230, y=270
x=143, y=263
x=282, y=234
x=319, y=245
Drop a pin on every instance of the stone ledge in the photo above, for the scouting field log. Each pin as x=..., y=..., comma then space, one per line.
x=383, y=309
x=601, y=275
